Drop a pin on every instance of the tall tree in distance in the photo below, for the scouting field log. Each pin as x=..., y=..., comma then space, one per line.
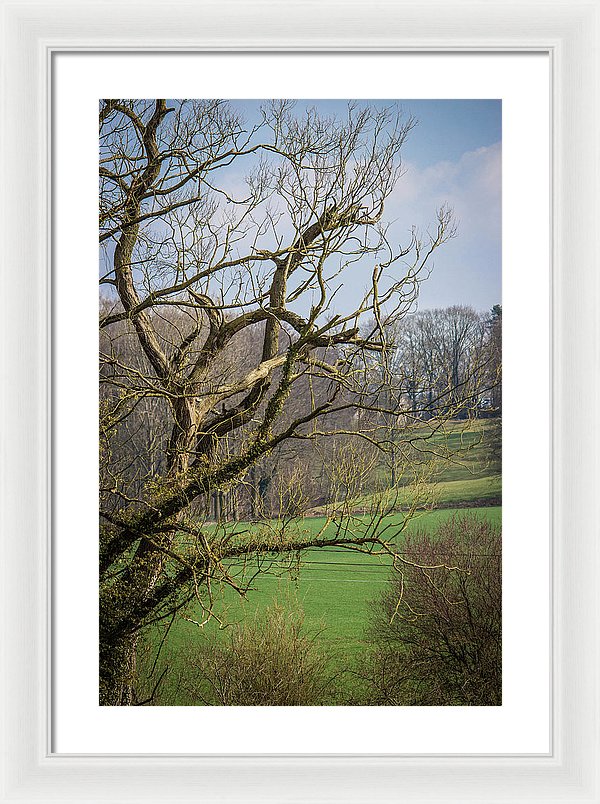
x=495, y=361
x=444, y=358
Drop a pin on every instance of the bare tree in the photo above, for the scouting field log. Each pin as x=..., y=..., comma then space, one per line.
x=222, y=249
x=443, y=358
x=437, y=629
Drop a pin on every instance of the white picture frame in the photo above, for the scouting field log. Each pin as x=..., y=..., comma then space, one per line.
x=31, y=33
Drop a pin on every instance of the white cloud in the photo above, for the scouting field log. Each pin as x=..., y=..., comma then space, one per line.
x=467, y=269
x=471, y=186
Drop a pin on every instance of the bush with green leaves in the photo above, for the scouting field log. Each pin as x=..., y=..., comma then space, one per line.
x=436, y=630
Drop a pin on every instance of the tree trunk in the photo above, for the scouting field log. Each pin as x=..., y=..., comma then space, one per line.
x=217, y=506
x=393, y=477
x=183, y=435
x=253, y=494
x=117, y=671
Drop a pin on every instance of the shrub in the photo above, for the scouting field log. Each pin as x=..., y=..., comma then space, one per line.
x=267, y=661
x=436, y=631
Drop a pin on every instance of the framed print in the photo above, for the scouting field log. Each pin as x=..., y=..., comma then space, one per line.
x=320, y=526
x=509, y=130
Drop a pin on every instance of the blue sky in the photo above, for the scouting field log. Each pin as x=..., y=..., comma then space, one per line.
x=452, y=156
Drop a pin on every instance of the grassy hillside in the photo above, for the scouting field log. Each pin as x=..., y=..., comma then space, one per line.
x=467, y=450
x=460, y=465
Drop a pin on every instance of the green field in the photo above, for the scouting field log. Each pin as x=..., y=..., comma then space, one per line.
x=334, y=588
